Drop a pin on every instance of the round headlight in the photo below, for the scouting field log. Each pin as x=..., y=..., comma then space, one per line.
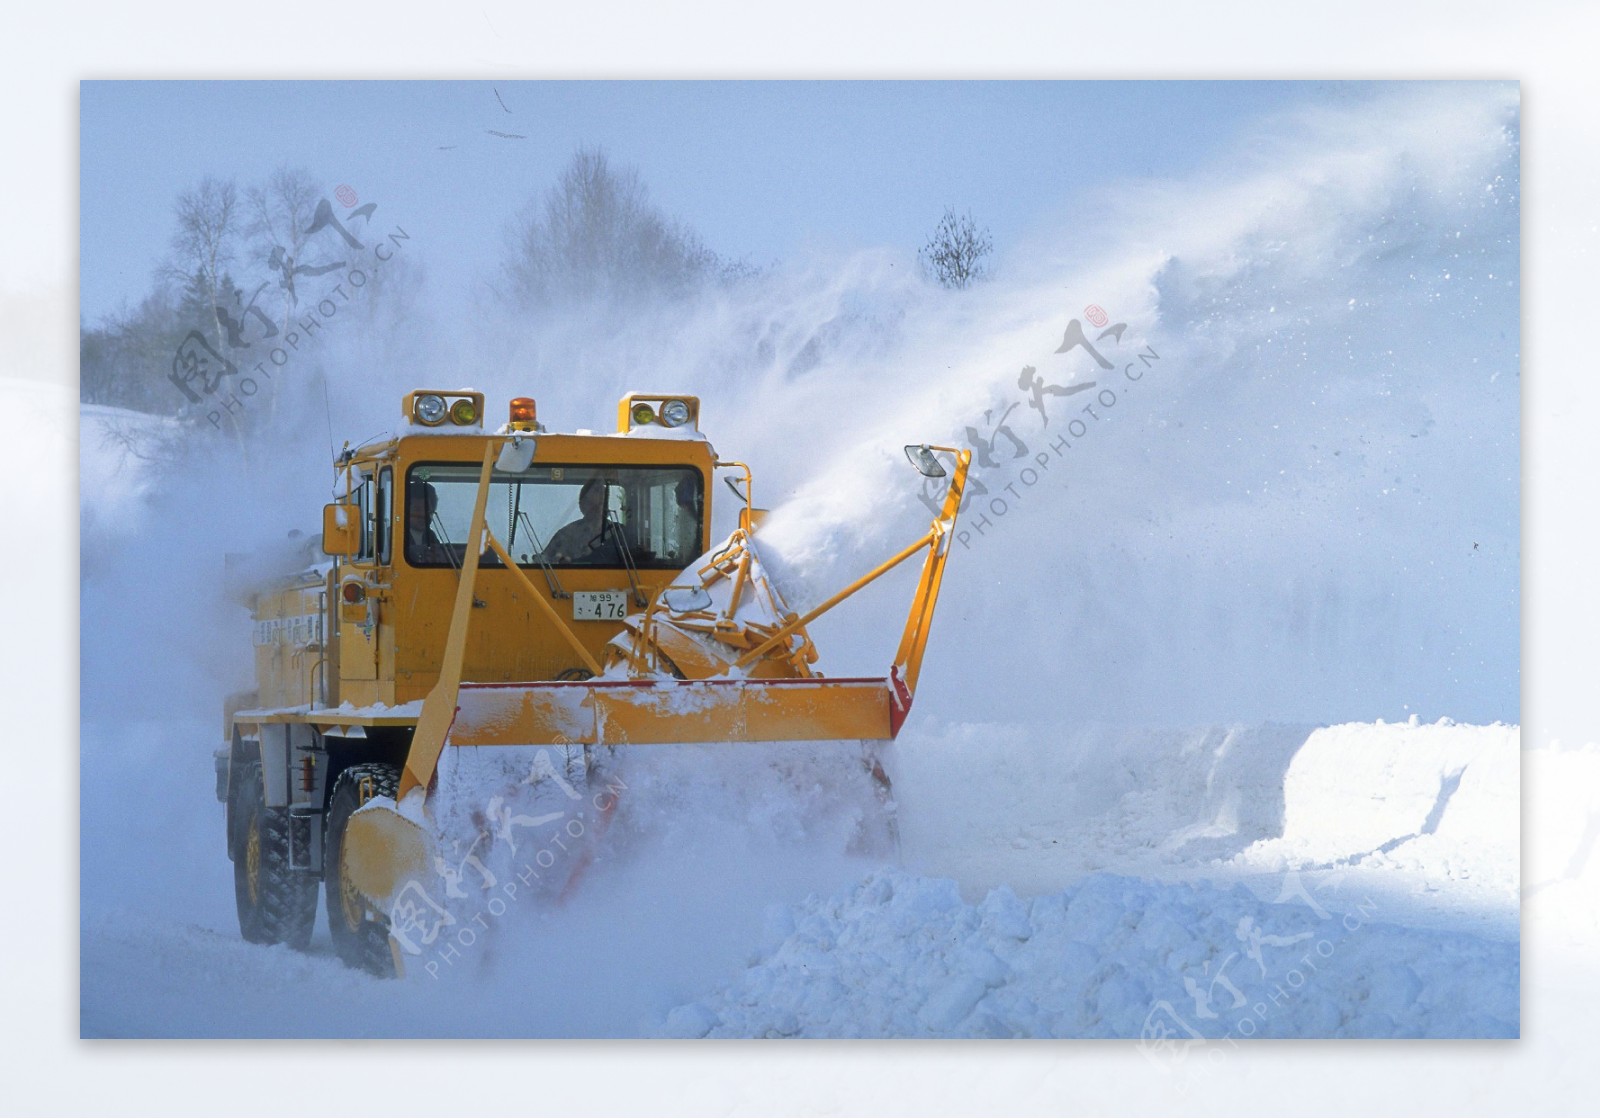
x=643, y=414
x=463, y=412
x=675, y=413
x=430, y=410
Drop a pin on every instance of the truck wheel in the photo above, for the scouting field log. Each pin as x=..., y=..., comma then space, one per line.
x=276, y=905
x=360, y=935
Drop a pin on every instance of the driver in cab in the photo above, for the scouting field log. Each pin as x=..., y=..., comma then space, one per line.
x=423, y=546
x=591, y=539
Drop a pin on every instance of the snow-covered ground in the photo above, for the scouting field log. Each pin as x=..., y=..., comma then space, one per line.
x=1357, y=881
x=1169, y=886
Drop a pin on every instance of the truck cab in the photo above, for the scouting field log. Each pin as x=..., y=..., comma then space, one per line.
x=599, y=524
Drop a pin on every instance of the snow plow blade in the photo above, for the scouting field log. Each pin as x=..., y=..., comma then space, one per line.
x=614, y=713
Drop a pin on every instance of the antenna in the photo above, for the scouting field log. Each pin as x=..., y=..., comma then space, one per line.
x=327, y=411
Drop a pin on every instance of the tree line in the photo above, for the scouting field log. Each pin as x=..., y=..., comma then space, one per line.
x=242, y=261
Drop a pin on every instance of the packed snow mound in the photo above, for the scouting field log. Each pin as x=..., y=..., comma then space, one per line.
x=1037, y=807
x=1289, y=857
x=1111, y=957
x=1442, y=798
x=1086, y=798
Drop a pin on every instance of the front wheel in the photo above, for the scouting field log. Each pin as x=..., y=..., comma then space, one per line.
x=360, y=935
x=276, y=905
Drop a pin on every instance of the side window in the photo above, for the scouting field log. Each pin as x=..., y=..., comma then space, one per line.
x=363, y=502
x=385, y=513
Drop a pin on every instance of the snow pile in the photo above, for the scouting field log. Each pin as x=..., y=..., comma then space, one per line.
x=902, y=956
x=1036, y=807
x=1271, y=842
x=1441, y=800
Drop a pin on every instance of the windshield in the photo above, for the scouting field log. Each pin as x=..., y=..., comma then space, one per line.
x=565, y=516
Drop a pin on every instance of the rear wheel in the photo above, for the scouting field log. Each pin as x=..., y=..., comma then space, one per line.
x=360, y=935
x=276, y=905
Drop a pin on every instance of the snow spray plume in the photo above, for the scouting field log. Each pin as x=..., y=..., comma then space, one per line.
x=1304, y=507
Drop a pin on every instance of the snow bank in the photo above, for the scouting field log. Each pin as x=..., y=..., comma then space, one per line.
x=1054, y=800
x=1443, y=800
x=1274, y=842
x=1036, y=807
x=902, y=956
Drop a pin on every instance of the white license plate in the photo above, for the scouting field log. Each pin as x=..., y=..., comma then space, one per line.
x=599, y=606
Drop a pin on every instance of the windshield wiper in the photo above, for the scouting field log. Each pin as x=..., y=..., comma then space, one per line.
x=445, y=542
x=544, y=561
x=611, y=524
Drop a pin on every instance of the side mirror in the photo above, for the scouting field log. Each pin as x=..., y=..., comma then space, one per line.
x=922, y=458
x=341, y=529
x=685, y=600
x=516, y=456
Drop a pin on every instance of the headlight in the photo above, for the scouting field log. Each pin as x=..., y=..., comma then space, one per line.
x=643, y=414
x=675, y=413
x=430, y=410
x=464, y=412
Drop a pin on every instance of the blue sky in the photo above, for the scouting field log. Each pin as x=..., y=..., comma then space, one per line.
x=759, y=169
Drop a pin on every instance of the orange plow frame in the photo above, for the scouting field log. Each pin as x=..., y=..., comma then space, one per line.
x=595, y=712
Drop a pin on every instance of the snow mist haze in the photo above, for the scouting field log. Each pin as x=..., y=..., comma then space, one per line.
x=1305, y=509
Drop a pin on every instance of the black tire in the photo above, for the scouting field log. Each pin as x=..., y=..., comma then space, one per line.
x=276, y=905
x=360, y=936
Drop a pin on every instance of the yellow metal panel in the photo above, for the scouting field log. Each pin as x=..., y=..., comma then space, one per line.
x=622, y=712
x=288, y=634
x=524, y=714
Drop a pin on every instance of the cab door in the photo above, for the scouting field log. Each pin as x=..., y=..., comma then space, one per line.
x=358, y=621
x=383, y=520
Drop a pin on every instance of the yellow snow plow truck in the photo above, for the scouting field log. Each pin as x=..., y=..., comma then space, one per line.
x=497, y=614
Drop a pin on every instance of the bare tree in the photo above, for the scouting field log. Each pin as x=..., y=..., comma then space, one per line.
x=282, y=214
x=204, y=245
x=955, y=254
x=596, y=235
x=244, y=268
